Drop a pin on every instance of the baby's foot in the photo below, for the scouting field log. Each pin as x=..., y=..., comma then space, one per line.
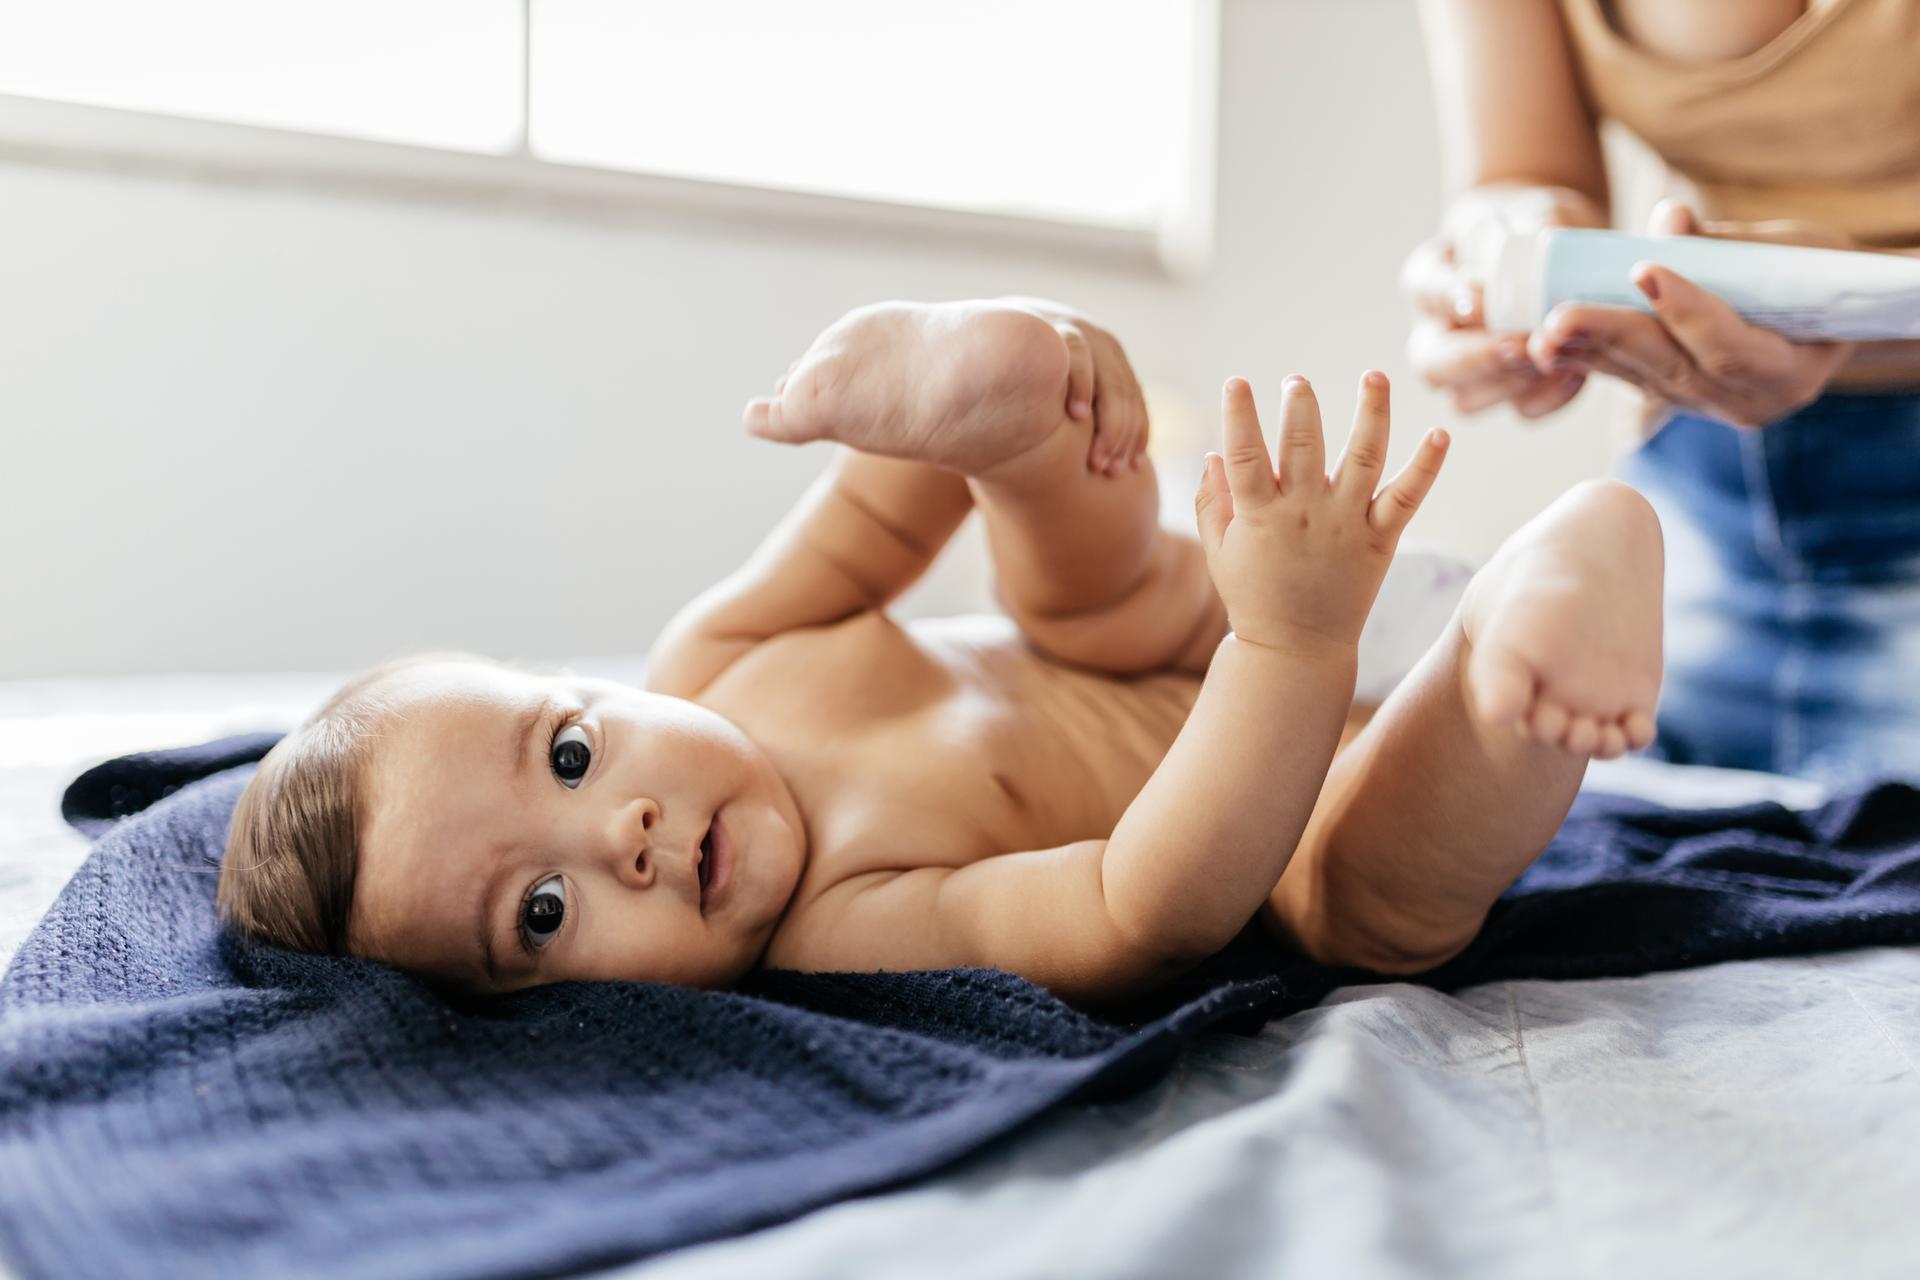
x=962, y=385
x=1563, y=625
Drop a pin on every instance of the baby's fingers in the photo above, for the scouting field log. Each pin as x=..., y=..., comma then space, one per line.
x=1249, y=466
x=1358, y=473
x=1213, y=505
x=1079, y=371
x=1400, y=499
x=758, y=418
x=1303, y=451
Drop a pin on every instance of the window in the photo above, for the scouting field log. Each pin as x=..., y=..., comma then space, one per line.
x=440, y=73
x=1067, y=108
x=1091, y=112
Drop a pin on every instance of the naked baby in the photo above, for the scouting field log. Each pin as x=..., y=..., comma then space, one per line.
x=1155, y=744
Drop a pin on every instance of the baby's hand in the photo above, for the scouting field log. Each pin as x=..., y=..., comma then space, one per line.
x=1101, y=388
x=1298, y=557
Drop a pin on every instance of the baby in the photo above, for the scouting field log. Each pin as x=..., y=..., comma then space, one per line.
x=1155, y=745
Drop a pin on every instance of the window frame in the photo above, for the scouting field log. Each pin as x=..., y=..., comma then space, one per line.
x=49, y=132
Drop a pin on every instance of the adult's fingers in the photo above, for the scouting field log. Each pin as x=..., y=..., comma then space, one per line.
x=1476, y=368
x=1549, y=394
x=1454, y=358
x=1673, y=218
x=1248, y=466
x=1725, y=348
x=1622, y=341
x=1434, y=284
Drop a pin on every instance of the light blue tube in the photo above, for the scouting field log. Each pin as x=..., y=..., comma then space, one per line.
x=1802, y=293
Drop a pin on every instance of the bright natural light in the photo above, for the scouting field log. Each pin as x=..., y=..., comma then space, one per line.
x=1075, y=109
x=1071, y=110
x=444, y=73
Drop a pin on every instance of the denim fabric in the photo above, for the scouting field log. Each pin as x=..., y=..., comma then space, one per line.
x=1793, y=588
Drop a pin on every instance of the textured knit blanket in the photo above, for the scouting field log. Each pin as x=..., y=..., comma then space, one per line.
x=173, y=1103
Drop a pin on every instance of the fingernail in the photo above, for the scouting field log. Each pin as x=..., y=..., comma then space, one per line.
x=1649, y=285
x=1374, y=378
x=1295, y=381
x=1080, y=408
x=1439, y=437
x=1463, y=305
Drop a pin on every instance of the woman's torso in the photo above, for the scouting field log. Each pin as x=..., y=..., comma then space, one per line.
x=944, y=741
x=1768, y=109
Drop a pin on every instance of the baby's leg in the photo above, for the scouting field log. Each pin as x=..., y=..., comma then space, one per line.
x=1468, y=769
x=980, y=389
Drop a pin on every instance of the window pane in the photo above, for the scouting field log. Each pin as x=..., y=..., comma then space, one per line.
x=1061, y=108
x=438, y=72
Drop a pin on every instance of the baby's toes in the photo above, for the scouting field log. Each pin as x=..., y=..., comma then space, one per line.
x=1548, y=722
x=1639, y=729
x=1583, y=735
x=1613, y=741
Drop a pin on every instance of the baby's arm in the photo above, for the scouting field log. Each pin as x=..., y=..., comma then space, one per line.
x=1297, y=558
x=859, y=537
x=1193, y=858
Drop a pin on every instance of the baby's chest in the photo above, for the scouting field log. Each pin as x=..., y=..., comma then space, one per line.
x=944, y=745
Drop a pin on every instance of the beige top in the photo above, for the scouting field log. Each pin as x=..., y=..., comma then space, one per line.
x=1822, y=123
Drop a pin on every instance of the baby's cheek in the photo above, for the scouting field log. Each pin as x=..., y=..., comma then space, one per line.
x=633, y=942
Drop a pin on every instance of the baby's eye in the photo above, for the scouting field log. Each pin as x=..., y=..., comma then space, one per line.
x=546, y=907
x=570, y=755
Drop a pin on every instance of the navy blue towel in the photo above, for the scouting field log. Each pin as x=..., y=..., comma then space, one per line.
x=173, y=1103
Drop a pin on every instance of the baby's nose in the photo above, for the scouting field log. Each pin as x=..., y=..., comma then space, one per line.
x=630, y=841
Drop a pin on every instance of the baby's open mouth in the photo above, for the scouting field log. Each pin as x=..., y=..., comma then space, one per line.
x=716, y=863
x=705, y=869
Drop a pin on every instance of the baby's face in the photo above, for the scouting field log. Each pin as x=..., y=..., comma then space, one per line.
x=524, y=829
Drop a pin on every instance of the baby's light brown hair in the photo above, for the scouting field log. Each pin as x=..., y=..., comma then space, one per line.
x=293, y=844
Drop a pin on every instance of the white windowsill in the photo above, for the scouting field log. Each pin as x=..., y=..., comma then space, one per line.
x=41, y=132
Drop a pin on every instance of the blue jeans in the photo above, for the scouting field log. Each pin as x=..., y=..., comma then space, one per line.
x=1793, y=589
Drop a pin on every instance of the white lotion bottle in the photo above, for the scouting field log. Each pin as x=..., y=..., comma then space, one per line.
x=1805, y=294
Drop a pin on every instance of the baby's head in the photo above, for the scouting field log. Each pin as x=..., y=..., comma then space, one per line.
x=491, y=829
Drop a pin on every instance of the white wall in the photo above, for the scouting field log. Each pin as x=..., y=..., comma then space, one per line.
x=258, y=429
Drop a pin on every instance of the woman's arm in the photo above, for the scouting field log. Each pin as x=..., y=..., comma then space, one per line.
x=1520, y=150
x=1508, y=100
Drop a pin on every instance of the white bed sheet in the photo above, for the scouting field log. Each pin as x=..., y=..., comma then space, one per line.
x=1752, y=1119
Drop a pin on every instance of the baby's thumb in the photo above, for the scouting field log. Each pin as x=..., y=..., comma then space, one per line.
x=764, y=419
x=1213, y=504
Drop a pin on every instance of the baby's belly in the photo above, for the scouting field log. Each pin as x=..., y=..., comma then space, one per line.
x=1066, y=749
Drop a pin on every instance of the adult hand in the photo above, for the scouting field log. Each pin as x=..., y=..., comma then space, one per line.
x=1450, y=345
x=1694, y=352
